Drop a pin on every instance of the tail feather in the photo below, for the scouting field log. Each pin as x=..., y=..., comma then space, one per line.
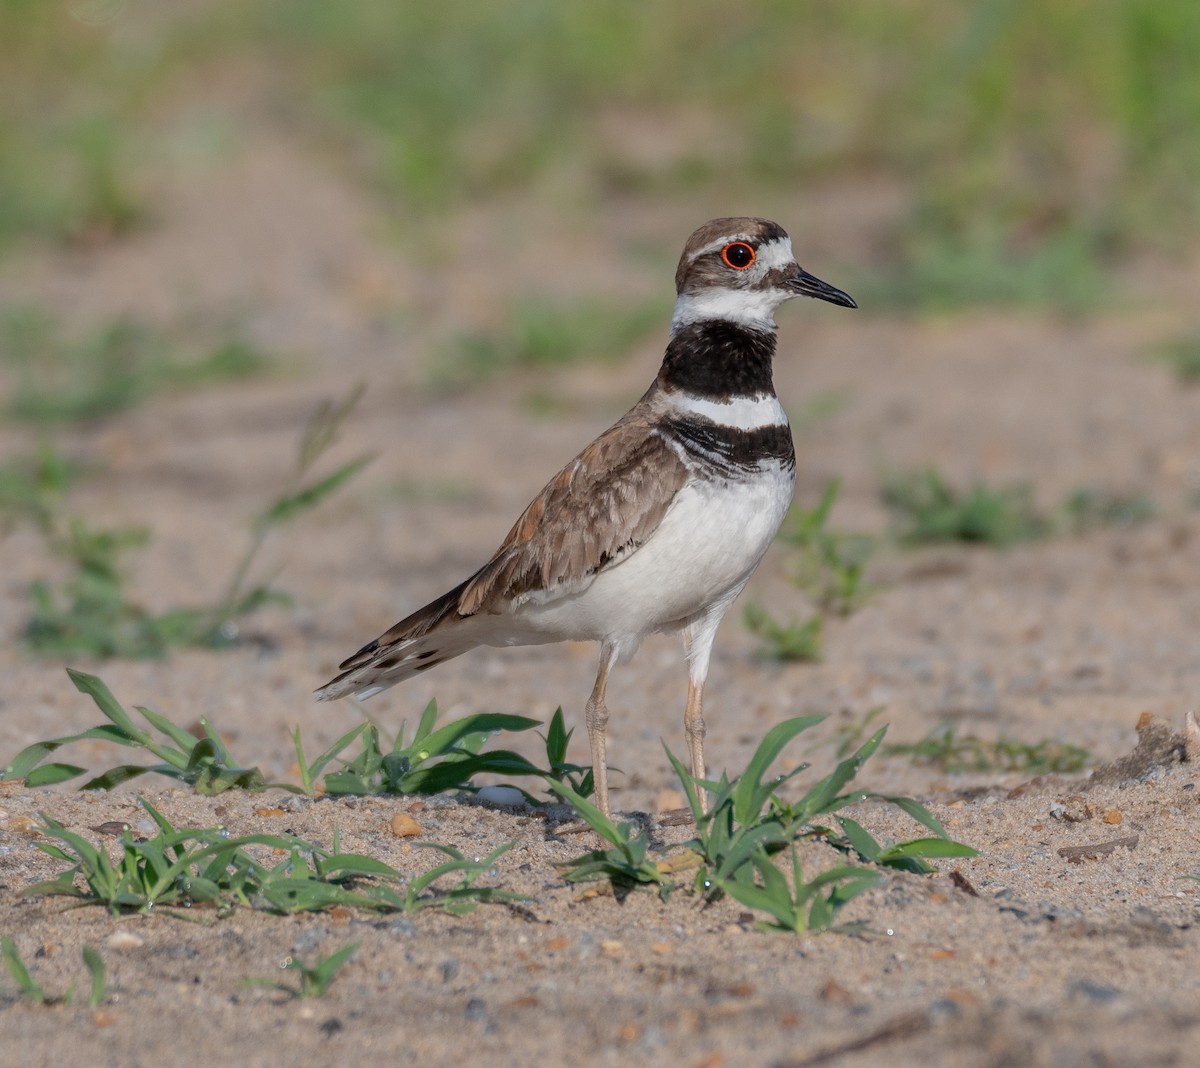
x=430, y=636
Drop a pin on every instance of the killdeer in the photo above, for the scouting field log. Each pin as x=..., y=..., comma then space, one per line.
x=658, y=524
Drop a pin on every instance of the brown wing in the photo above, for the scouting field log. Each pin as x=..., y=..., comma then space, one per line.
x=603, y=504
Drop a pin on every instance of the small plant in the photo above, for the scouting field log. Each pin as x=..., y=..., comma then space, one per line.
x=203, y=763
x=186, y=867
x=850, y=733
x=109, y=370
x=29, y=989
x=742, y=826
x=420, y=892
x=801, y=907
x=953, y=753
x=1183, y=356
x=929, y=510
x=93, y=613
x=784, y=641
x=33, y=488
x=315, y=978
x=300, y=494
x=557, y=738
x=748, y=824
x=435, y=760
x=1087, y=508
x=828, y=565
x=625, y=863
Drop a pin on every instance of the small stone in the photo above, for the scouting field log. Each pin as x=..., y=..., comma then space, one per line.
x=404, y=826
x=268, y=812
x=612, y=947
x=557, y=944
x=504, y=796
x=124, y=940
x=835, y=992
x=1112, y=816
x=1089, y=990
x=663, y=947
x=21, y=824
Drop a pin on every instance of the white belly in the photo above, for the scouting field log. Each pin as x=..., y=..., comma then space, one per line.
x=708, y=544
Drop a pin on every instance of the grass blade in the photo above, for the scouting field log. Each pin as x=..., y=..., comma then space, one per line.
x=99, y=984
x=292, y=504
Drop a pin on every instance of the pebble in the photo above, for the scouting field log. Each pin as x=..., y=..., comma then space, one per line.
x=21, y=824
x=404, y=826
x=508, y=796
x=124, y=940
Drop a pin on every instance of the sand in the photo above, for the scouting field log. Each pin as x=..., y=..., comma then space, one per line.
x=1070, y=939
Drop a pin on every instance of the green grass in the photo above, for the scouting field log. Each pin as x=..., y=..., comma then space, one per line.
x=947, y=750
x=28, y=989
x=828, y=567
x=749, y=824
x=108, y=369
x=928, y=509
x=435, y=760
x=180, y=868
x=625, y=862
x=1035, y=143
x=92, y=611
x=1182, y=355
x=794, y=642
x=33, y=488
x=314, y=979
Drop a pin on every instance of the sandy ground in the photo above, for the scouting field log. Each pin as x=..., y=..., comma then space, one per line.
x=1030, y=956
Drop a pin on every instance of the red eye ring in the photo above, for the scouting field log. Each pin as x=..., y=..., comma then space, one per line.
x=739, y=255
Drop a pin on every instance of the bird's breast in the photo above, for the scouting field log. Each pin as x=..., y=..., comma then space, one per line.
x=708, y=543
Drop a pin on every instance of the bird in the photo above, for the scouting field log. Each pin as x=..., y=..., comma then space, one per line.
x=657, y=525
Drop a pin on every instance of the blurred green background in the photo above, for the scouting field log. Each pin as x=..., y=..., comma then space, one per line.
x=1032, y=146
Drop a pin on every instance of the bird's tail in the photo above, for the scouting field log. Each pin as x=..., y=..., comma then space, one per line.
x=430, y=636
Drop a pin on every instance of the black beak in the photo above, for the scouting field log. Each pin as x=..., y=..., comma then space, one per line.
x=812, y=286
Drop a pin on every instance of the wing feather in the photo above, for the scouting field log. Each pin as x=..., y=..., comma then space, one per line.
x=596, y=511
x=600, y=507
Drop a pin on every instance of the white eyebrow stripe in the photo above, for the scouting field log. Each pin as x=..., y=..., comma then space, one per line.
x=774, y=253
x=720, y=242
x=777, y=253
x=740, y=413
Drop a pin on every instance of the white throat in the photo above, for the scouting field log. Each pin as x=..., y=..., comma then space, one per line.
x=749, y=307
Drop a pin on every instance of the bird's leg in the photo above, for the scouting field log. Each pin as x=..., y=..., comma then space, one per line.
x=697, y=645
x=596, y=719
x=693, y=725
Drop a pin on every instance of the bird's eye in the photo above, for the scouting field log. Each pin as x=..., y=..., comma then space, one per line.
x=738, y=255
